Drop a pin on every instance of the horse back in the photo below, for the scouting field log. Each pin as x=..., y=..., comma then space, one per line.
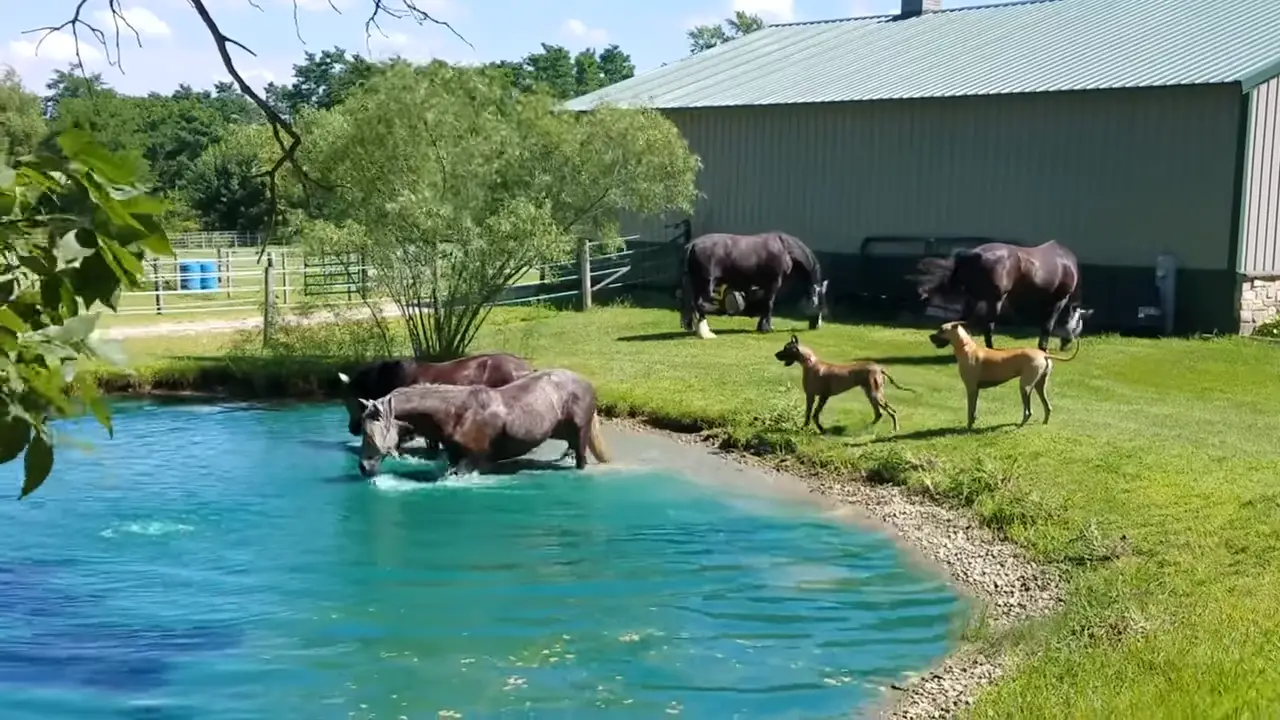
x=747, y=258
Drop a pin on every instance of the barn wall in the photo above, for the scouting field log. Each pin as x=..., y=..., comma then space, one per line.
x=1118, y=176
x=1260, y=226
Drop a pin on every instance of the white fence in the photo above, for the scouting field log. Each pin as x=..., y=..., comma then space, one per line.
x=237, y=280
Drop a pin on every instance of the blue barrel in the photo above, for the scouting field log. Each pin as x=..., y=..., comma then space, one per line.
x=189, y=275
x=208, y=274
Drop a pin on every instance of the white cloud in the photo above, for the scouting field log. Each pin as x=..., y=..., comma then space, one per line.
x=58, y=47
x=776, y=11
x=577, y=29
x=142, y=20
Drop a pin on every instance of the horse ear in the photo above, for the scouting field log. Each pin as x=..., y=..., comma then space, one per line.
x=343, y=377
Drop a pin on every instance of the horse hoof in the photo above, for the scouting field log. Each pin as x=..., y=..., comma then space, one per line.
x=704, y=331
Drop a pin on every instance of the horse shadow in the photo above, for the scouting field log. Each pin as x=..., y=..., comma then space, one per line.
x=677, y=335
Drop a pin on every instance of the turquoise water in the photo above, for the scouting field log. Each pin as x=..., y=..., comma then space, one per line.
x=228, y=562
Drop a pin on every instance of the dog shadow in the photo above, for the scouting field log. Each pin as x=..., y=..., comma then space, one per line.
x=941, y=359
x=939, y=432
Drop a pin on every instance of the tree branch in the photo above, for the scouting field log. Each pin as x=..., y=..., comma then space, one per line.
x=282, y=130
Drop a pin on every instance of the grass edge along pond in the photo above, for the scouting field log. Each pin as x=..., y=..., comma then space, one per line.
x=1153, y=488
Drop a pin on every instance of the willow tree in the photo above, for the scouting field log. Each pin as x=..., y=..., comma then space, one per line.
x=452, y=185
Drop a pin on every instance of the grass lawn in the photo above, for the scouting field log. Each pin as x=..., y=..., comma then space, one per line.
x=1157, y=484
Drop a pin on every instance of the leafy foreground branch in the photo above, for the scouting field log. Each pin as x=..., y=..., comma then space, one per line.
x=75, y=227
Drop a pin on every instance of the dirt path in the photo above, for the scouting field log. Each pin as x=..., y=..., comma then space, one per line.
x=191, y=327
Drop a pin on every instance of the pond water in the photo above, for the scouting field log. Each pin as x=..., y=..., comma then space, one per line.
x=228, y=562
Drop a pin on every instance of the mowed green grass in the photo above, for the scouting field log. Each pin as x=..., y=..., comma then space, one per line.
x=1156, y=485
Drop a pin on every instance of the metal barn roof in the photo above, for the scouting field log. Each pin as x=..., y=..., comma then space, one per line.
x=1036, y=46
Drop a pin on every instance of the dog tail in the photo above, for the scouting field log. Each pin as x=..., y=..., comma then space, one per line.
x=895, y=382
x=595, y=442
x=1066, y=359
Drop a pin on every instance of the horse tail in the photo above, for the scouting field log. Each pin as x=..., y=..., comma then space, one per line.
x=686, y=289
x=595, y=441
x=934, y=275
x=1074, y=353
x=889, y=377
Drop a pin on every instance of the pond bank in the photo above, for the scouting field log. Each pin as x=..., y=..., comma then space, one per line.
x=1010, y=586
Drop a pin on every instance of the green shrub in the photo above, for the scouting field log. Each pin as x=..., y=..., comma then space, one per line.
x=1268, y=329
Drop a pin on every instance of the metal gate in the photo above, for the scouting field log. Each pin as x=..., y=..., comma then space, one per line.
x=328, y=275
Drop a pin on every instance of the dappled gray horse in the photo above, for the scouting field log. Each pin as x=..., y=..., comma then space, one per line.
x=479, y=425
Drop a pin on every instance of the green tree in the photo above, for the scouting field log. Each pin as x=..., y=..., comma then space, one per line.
x=552, y=70
x=452, y=187
x=68, y=84
x=322, y=81
x=21, y=116
x=705, y=37
x=615, y=65
x=224, y=186
x=75, y=227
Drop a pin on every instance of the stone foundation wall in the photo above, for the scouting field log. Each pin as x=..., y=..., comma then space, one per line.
x=1259, y=301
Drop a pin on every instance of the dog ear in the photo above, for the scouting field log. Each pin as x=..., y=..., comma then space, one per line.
x=795, y=339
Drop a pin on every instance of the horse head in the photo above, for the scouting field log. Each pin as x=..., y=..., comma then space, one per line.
x=380, y=436
x=1073, y=325
x=816, y=303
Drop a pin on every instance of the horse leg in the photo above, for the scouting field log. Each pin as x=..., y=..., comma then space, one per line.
x=766, y=317
x=1052, y=320
x=989, y=323
x=703, y=306
x=581, y=439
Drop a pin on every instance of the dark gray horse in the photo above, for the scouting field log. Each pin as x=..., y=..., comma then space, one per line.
x=743, y=262
x=480, y=425
x=1041, y=281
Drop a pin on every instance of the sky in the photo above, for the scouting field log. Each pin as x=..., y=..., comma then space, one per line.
x=176, y=48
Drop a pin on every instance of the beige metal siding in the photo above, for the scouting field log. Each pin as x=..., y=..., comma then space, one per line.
x=1119, y=176
x=1260, y=229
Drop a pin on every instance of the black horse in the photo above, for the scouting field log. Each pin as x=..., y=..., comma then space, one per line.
x=1041, y=282
x=743, y=262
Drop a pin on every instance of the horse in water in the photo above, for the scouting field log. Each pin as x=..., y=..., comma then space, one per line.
x=479, y=425
x=743, y=262
x=1040, y=281
x=377, y=379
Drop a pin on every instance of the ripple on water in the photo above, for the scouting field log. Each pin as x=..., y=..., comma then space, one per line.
x=229, y=562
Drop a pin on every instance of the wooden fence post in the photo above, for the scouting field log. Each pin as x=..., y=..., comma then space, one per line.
x=584, y=271
x=269, y=299
x=157, y=285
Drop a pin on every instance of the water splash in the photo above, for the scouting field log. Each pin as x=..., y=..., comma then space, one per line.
x=146, y=527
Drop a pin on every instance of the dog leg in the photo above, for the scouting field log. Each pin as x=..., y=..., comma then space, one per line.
x=1042, y=388
x=1024, y=391
x=876, y=400
x=973, y=405
x=822, y=402
x=808, y=408
x=893, y=414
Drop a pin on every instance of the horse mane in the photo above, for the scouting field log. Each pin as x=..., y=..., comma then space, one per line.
x=801, y=253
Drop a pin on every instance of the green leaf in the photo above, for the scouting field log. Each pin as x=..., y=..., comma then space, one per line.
x=14, y=434
x=130, y=264
x=99, y=407
x=80, y=145
x=37, y=463
x=10, y=319
x=70, y=248
x=74, y=329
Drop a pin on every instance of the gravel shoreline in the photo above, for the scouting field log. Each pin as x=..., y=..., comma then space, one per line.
x=1011, y=587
